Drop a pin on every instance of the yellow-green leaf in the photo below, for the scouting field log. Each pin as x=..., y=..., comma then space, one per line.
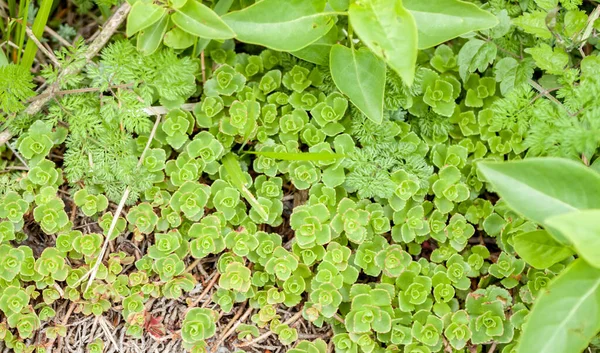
x=199, y=20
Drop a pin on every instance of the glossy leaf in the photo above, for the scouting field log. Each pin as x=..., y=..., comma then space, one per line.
x=390, y=31
x=318, y=52
x=441, y=20
x=149, y=39
x=285, y=25
x=540, y=249
x=143, y=15
x=360, y=75
x=199, y=20
x=582, y=228
x=539, y=188
x=566, y=315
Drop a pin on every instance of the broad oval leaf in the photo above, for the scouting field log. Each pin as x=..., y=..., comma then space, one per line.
x=318, y=52
x=582, y=228
x=143, y=15
x=390, y=31
x=540, y=249
x=360, y=75
x=285, y=25
x=199, y=20
x=566, y=315
x=441, y=20
x=150, y=38
x=539, y=188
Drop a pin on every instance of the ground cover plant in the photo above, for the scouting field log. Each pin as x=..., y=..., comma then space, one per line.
x=302, y=176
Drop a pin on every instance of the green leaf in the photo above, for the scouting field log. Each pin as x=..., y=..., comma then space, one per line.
x=232, y=165
x=582, y=228
x=143, y=15
x=149, y=39
x=199, y=20
x=539, y=188
x=318, y=52
x=540, y=249
x=390, y=31
x=475, y=55
x=553, y=61
x=286, y=25
x=512, y=73
x=360, y=75
x=41, y=18
x=441, y=20
x=177, y=38
x=566, y=315
x=299, y=156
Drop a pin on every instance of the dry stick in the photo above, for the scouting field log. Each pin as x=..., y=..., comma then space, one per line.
x=51, y=32
x=205, y=291
x=46, y=52
x=233, y=324
x=543, y=91
x=269, y=333
x=113, y=224
x=63, y=323
x=99, y=42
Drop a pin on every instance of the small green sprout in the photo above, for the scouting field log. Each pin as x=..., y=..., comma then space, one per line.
x=51, y=216
x=143, y=217
x=90, y=204
x=225, y=82
x=198, y=325
x=191, y=198
x=310, y=222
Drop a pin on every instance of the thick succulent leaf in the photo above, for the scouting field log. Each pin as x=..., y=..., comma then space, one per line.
x=540, y=249
x=566, y=315
x=149, y=39
x=286, y=25
x=441, y=20
x=143, y=15
x=539, y=188
x=199, y=20
x=390, y=31
x=582, y=228
x=360, y=75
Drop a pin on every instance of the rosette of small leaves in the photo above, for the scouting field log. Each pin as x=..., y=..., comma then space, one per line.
x=428, y=329
x=328, y=114
x=478, y=90
x=11, y=261
x=310, y=223
x=370, y=311
x=198, y=325
x=439, y=92
x=270, y=81
x=168, y=267
x=459, y=231
x=507, y=267
x=326, y=298
x=249, y=65
x=410, y=224
x=52, y=264
x=297, y=79
x=273, y=209
x=457, y=271
x=536, y=281
x=143, y=217
x=224, y=298
x=106, y=220
x=247, y=332
x=337, y=255
x=26, y=322
x=132, y=304
x=96, y=346
x=286, y=334
x=444, y=59
x=208, y=148
x=241, y=242
x=37, y=142
x=90, y=204
x=476, y=259
x=225, y=198
x=89, y=245
x=13, y=300
x=443, y=291
x=449, y=189
x=154, y=161
x=183, y=169
x=44, y=173
x=344, y=344
x=270, y=188
x=51, y=216
x=304, y=174
x=414, y=291
x=281, y=264
x=293, y=288
x=351, y=221
x=13, y=207
x=291, y=124
x=267, y=243
x=165, y=244
x=176, y=126
x=225, y=82
x=309, y=256
x=169, y=218
x=206, y=237
x=393, y=260
x=366, y=254
x=236, y=277
x=265, y=315
x=7, y=231
x=207, y=109
x=191, y=198
x=457, y=329
x=487, y=318
x=242, y=119
x=317, y=346
x=379, y=220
